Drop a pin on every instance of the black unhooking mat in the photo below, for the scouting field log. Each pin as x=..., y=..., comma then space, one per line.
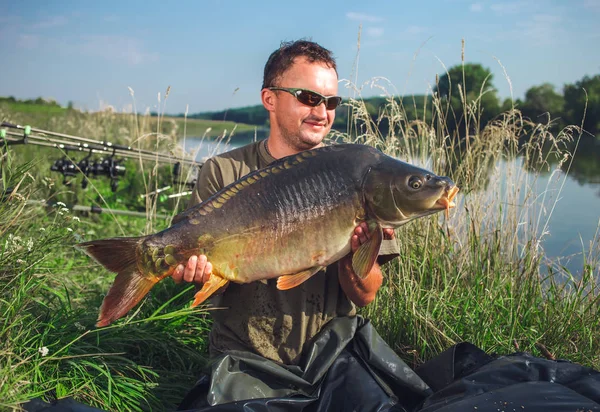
x=349, y=367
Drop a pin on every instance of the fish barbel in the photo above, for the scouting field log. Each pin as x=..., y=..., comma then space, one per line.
x=286, y=221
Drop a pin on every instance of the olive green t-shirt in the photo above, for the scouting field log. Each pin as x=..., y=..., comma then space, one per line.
x=257, y=317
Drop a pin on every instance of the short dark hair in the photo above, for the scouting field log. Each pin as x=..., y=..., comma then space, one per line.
x=283, y=58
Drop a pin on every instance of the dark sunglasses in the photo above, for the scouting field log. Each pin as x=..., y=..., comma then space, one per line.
x=310, y=98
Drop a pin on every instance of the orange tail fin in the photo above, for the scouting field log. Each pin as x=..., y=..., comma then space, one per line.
x=130, y=286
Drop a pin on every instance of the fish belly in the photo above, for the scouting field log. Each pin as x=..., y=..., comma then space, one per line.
x=318, y=238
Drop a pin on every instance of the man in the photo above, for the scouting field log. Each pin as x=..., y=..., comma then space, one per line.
x=299, y=91
x=256, y=309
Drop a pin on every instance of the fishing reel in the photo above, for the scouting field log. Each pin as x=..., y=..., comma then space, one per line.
x=85, y=168
x=109, y=167
x=66, y=167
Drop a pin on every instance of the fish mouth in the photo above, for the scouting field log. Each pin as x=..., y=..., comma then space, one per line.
x=446, y=201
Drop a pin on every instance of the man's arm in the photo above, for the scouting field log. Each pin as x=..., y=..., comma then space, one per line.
x=360, y=291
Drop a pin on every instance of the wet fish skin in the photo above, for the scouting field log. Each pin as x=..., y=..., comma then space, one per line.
x=288, y=220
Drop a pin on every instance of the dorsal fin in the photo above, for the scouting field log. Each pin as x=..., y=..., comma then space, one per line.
x=217, y=200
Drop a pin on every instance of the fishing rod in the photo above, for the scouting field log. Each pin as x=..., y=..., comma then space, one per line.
x=104, y=167
x=116, y=149
x=96, y=149
x=28, y=129
x=107, y=166
x=68, y=168
x=165, y=197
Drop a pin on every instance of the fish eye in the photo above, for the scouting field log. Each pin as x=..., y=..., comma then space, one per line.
x=415, y=182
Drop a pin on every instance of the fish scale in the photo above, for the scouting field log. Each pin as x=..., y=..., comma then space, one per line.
x=287, y=221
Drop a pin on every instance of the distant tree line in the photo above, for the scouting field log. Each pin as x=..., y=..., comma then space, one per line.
x=542, y=104
x=468, y=85
x=40, y=101
x=250, y=115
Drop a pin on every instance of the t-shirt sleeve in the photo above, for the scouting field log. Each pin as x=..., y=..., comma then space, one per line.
x=209, y=182
x=388, y=251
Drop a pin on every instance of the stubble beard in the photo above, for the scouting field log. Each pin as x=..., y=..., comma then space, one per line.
x=302, y=139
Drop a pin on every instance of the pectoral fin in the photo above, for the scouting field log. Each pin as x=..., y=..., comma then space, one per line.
x=214, y=283
x=286, y=282
x=366, y=255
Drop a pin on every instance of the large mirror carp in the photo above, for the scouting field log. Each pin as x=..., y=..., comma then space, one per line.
x=286, y=221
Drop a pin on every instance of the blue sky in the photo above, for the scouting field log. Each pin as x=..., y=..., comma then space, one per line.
x=212, y=53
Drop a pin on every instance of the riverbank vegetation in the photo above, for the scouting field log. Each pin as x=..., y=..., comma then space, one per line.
x=479, y=275
x=49, y=115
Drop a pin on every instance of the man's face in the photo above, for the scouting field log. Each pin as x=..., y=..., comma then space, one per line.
x=300, y=126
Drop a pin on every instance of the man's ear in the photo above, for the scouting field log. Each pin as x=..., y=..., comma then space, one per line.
x=268, y=99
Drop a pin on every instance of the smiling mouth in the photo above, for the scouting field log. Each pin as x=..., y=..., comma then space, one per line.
x=314, y=122
x=447, y=200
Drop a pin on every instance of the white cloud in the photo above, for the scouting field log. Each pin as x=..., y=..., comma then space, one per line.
x=123, y=48
x=50, y=22
x=374, y=31
x=15, y=32
x=541, y=29
x=476, y=7
x=509, y=7
x=363, y=17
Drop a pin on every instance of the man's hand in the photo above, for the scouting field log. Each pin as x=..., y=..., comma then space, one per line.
x=197, y=270
x=361, y=235
x=361, y=291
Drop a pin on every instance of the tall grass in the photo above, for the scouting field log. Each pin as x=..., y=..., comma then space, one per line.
x=50, y=294
x=481, y=275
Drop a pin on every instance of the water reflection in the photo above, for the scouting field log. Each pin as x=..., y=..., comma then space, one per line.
x=567, y=188
x=586, y=164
